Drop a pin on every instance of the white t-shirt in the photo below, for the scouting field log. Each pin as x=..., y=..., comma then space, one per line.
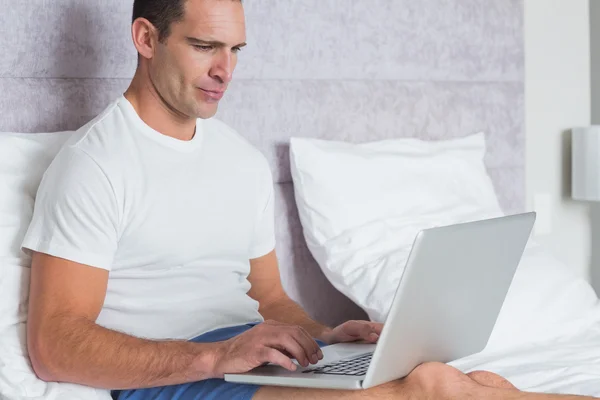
x=175, y=222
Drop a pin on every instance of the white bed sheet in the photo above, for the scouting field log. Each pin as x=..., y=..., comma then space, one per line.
x=547, y=338
x=18, y=381
x=566, y=360
x=568, y=363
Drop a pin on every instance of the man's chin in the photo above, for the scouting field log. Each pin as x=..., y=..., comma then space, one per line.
x=206, y=113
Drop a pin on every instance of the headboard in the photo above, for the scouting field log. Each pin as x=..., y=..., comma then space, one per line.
x=357, y=70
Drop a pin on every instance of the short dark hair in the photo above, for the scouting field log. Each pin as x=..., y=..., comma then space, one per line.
x=161, y=13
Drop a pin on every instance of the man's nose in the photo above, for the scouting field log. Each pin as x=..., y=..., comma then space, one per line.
x=223, y=66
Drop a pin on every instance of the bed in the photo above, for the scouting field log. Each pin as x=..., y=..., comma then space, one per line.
x=357, y=71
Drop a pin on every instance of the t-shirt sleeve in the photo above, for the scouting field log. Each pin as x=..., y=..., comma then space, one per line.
x=75, y=215
x=263, y=241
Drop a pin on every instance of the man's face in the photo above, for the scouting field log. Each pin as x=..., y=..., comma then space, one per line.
x=193, y=67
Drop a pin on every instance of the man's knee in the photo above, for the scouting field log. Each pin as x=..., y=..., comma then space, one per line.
x=490, y=379
x=430, y=380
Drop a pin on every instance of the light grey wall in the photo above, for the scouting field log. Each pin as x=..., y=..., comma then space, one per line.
x=355, y=70
x=595, y=57
x=595, y=78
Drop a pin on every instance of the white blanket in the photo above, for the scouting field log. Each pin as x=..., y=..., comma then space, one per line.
x=569, y=363
x=567, y=360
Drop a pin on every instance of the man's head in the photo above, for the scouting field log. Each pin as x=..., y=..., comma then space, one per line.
x=188, y=50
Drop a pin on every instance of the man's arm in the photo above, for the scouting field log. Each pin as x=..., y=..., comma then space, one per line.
x=274, y=303
x=65, y=344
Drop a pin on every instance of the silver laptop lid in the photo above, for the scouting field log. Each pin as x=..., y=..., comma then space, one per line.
x=452, y=290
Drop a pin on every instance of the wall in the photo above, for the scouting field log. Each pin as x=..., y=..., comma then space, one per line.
x=595, y=59
x=356, y=70
x=557, y=98
x=595, y=78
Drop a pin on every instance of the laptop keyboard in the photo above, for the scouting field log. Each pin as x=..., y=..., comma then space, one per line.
x=352, y=366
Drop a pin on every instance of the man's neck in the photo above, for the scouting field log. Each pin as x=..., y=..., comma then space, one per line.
x=156, y=113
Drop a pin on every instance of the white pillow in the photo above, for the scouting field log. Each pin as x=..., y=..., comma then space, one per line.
x=546, y=300
x=23, y=160
x=361, y=206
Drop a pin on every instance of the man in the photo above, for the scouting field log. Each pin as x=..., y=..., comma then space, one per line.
x=154, y=226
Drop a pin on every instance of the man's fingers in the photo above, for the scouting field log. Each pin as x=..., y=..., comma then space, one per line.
x=307, y=341
x=276, y=357
x=371, y=331
x=284, y=342
x=309, y=338
x=303, y=347
x=362, y=330
x=377, y=327
x=297, y=350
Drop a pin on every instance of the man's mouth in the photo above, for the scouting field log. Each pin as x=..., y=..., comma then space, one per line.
x=213, y=94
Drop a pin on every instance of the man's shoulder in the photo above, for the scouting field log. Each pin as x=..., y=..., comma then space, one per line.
x=98, y=126
x=223, y=131
x=235, y=143
x=90, y=145
x=97, y=138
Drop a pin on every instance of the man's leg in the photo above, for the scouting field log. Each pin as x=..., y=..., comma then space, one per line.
x=488, y=386
x=394, y=390
x=490, y=380
x=210, y=389
x=428, y=381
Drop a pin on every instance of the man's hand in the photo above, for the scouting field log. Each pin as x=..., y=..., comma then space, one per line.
x=353, y=331
x=269, y=342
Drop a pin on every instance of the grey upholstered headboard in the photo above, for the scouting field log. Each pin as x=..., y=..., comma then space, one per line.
x=355, y=70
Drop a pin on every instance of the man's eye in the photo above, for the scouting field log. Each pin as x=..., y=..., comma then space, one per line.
x=236, y=49
x=203, y=48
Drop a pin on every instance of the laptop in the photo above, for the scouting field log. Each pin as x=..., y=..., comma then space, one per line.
x=446, y=305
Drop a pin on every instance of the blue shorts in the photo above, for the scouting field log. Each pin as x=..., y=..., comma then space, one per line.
x=210, y=389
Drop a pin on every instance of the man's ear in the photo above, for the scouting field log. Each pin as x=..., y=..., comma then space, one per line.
x=145, y=37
